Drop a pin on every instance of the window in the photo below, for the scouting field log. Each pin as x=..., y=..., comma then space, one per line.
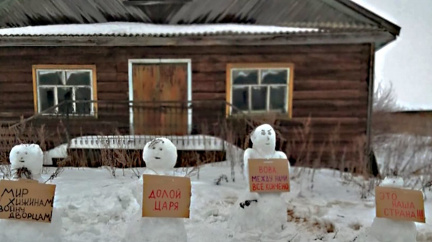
x=260, y=88
x=73, y=87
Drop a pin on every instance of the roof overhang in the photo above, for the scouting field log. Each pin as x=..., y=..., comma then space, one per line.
x=234, y=40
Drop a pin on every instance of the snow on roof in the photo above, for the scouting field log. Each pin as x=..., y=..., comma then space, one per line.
x=144, y=29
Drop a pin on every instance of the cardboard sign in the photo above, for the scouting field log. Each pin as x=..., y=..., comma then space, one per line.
x=166, y=196
x=399, y=204
x=26, y=200
x=268, y=175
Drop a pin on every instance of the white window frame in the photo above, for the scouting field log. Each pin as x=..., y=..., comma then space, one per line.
x=64, y=68
x=259, y=67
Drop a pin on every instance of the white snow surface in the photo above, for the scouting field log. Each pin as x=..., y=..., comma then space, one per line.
x=126, y=28
x=95, y=206
x=19, y=231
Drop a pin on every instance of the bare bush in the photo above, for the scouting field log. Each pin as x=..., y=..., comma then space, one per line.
x=384, y=99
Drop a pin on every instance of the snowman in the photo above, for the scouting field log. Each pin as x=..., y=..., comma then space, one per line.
x=389, y=230
x=160, y=156
x=265, y=212
x=26, y=163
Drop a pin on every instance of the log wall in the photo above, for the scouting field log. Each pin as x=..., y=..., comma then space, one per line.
x=330, y=81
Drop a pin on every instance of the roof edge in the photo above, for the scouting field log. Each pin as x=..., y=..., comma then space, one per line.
x=295, y=39
x=389, y=26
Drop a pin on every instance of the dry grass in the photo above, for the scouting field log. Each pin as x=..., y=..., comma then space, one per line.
x=315, y=223
x=402, y=141
x=301, y=145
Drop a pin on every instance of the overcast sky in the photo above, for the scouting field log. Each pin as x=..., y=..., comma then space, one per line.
x=406, y=62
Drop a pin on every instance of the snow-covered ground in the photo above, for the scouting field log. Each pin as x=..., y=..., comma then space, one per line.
x=324, y=205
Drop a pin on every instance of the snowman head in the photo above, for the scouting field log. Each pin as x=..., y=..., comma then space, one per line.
x=160, y=154
x=26, y=161
x=264, y=137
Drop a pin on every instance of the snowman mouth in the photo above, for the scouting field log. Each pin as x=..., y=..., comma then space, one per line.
x=22, y=161
x=157, y=158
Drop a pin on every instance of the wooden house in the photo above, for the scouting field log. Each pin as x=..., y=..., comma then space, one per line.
x=105, y=64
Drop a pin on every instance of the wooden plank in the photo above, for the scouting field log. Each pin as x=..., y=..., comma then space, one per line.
x=112, y=87
x=65, y=50
x=47, y=58
x=206, y=86
x=324, y=120
x=322, y=132
x=21, y=97
x=185, y=50
x=329, y=85
x=112, y=76
x=312, y=66
x=173, y=87
x=330, y=113
x=13, y=114
x=145, y=86
x=13, y=105
x=330, y=103
x=7, y=76
x=334, y=75
x=326, y=95
x=208, y=96
x=330, y=108
x=14, y=87
x=349, y=60
x=113, y=96
x=206, y=77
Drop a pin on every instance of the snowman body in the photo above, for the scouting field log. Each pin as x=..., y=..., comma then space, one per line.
x=389, y=230
x=160, y=156
x=267, y=212
x=29, y=158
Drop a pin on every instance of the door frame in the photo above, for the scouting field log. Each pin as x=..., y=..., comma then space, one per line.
x=131, y=62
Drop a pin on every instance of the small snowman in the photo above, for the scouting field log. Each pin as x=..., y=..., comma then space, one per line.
x=389, y=230
x=160, y=156
x=26, y=163
x=266, y=211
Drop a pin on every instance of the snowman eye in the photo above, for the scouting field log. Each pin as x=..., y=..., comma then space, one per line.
x=269, y=132
x=17, y=152
x=26, y=153
x=262, y=132
x=160, y=148
x=154, y=147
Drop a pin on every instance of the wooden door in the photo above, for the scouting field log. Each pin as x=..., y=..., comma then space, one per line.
x=160, y=95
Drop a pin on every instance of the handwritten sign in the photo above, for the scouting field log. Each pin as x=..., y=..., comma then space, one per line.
x=268, y=175
x=399, y=204
x=166, y=196
x=26, y=200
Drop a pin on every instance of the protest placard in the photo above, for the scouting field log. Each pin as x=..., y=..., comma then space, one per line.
x=26, y=200
x=166, y=196
x=268, y=175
